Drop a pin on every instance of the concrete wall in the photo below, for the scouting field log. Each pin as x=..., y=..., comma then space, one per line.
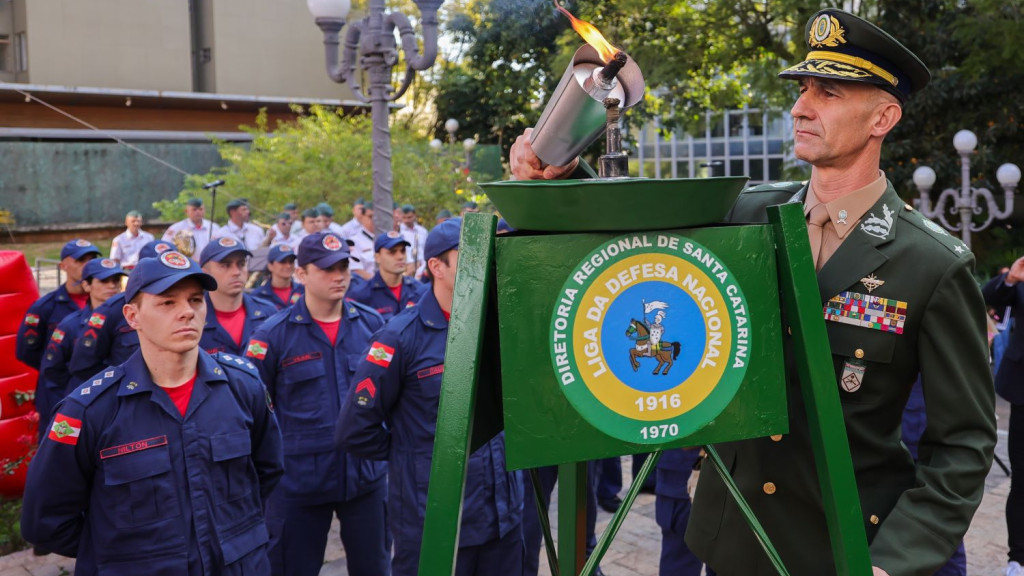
x=270, y=47
x=109, y=43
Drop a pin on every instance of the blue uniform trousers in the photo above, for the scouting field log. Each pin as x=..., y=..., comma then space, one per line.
x=672, y=515
x=298, y=534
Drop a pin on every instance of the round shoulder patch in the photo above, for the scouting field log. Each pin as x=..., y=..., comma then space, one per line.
x=83, y=243
x=108, y=263
x=331, y=242
x=227, y=242
x=174, y=260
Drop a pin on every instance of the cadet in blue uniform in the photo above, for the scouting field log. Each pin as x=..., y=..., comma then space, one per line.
x=280, y=290
x=391, y=413
x=307, y=355
x=232, y=316
x=101, y=279
x=44, y=315
x=389, y=291
x=162, y=465
x=107, y=339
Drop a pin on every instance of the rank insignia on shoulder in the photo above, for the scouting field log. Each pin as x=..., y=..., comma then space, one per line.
x=874, y=312
x=65, y=429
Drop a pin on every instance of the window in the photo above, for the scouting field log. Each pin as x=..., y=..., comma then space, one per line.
x=20, y=52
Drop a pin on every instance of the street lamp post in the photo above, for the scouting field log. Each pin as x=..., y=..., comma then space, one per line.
x=372, y=39
x=968, y=200
x=451, y=126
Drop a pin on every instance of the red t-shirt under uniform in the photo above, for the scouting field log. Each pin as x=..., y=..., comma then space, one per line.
x=233, y=323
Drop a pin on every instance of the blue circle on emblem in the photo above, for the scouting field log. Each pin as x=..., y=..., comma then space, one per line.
x=657, y=311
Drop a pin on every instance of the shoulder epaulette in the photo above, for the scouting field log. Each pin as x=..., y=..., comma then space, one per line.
x=236, y=362
x=952, y=243
x=353, y=307
x=96, y=386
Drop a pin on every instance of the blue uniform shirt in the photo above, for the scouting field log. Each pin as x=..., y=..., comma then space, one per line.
x=391, y=413
x=128, y=485
x=266, y=292
x=376, y=294
x=308, y=378
x=106, y=340
x=54, y=376
x=216, y=338
x=39, y=323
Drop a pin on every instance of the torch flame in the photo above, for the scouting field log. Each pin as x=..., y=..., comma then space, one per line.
x=591, y=34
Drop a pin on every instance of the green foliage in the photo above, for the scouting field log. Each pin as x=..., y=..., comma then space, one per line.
x=323, y=156
x=10, y=527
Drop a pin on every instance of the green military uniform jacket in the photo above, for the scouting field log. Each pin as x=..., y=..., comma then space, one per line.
x=914, y=515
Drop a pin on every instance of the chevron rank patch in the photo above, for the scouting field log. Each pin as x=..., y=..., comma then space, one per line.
x=65, y=429
x=866, y=311
x=366, y=393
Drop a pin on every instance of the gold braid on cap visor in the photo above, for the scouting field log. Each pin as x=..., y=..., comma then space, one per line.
x=861, y=63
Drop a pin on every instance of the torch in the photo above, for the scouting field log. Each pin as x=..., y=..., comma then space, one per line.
x=598, y=84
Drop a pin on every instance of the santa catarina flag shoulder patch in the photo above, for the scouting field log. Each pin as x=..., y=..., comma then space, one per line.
x=65, y=429
x=381, y=354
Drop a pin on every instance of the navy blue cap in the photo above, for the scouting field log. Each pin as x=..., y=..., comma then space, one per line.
x=845, y=47
x=323, y=250
x=220, y=248
x=155, y=248
x=101, y=269
x=504, y=227
x=194, y=202
x=442, y=238
x=156, y=275
x=280, y=252
x=78, y=249
x=470, y=205
x=388, y=240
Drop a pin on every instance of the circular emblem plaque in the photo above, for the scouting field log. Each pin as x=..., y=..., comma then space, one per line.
x=650, y=337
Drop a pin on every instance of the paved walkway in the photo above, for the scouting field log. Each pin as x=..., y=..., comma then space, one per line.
x=635, y=551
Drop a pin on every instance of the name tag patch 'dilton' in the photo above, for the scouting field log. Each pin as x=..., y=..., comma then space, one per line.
x=650, y=337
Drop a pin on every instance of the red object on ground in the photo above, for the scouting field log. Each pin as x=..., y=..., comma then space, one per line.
x=18, y=418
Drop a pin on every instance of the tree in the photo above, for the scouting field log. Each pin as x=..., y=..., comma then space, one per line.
x=323, y=156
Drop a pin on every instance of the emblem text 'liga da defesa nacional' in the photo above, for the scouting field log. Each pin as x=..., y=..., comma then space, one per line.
x=650, y=337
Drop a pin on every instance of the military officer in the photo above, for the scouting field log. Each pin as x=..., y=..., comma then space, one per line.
x=391, y=414
x=161, y=465
x=125, y=247
x=238, y=226
x=280, y=290
x=307, y=355
x=195, y=225
x=101, y=279
x=389, y=291
x=416, y=236
x=232, y=315
x=44, y=315
x=868, y=245
x=362, y=239
x=107, y=339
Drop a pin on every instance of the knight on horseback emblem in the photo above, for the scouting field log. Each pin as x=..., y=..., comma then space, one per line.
x=649, y=339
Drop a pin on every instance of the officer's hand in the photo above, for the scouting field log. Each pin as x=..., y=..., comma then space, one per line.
x=876, y=571
x=1016, y=273
x=525, y=164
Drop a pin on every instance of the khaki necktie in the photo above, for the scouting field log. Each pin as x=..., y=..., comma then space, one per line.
x=815, y=230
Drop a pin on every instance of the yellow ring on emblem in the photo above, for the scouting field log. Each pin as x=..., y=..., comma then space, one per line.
x=621, y=398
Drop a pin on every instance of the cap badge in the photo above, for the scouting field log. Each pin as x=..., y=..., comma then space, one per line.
x=393, y=234
x=83, y=243
x=162, y=247
x=826, y=32
x=331, y=242
x=284, y=248
x=174, y=260
x=228, y=242
x=108, y=263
